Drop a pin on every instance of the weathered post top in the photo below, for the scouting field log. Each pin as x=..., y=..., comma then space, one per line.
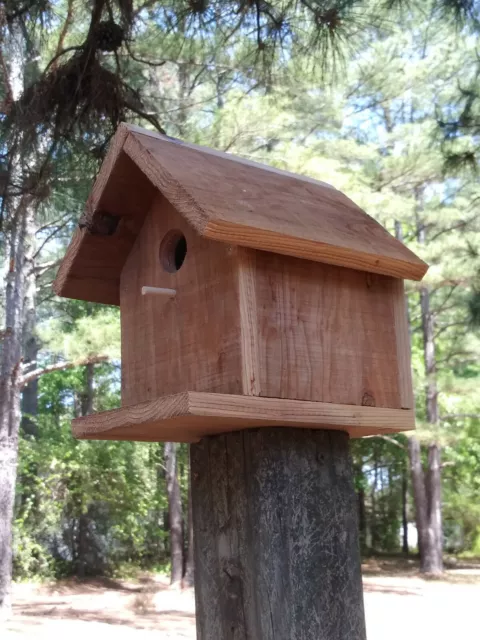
x=249, y=297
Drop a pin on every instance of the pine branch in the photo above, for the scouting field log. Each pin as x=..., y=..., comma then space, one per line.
x=461, y=224
x=149, y=63
x=53, y=223
x=42, y=268
x=63, y=35
x=444, y=305
x=53, y=64
x=455, y=354
x=390, y=440
x=56, y=230
x=60, y=366
x=445, y=327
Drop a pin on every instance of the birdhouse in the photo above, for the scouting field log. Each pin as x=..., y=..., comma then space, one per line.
x=248, y=297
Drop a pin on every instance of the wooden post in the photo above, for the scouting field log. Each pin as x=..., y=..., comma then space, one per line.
x=276, y=537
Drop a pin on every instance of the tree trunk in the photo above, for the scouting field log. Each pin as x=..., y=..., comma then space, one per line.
x=19, y=255
x=86, y=400
x=84, y=539
x=374, y=540
x=82, y=545
x=433, y=536
x=8, y=472
x=427, y=486
x=420, y=498
x=276, y=536
x=415, y=453
x=189, y=567
x=362, y=520
x=435, y=529
x=404, y=511
x=175, y=512
x=161, y=513
x=433, y=475
x=10, y=393
x=30, y=391
x=30, y=349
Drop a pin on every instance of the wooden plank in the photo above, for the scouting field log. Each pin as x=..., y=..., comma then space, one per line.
x=107, y=170
x=326, y=333
x=276, y=537
x=310, y=249
x=68, y=280
x=246, y=266
x=189, y=416
x=402, y=334
x=255, y=207
x=167, y=184
x=190, y=342
x=226, y=156
x=93, y=262
x=251, y=205
x=91, y=267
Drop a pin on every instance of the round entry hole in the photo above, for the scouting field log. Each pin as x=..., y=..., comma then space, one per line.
x=173, y=250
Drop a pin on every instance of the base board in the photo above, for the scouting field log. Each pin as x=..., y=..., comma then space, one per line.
x=188, y=416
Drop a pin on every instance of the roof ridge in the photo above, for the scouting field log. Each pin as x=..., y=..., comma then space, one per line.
x=132, y=128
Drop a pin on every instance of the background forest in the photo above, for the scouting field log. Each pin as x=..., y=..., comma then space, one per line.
x=381, y=103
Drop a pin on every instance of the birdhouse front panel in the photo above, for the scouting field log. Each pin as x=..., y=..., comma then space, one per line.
x=249, y=297
x=190, y=342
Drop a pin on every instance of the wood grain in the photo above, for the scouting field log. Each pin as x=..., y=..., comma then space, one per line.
x=192, y=341
x=402, y=334
x=69, y=280
x=255, y=207
x=310, y=249
x=276, y=537
x=251, y=205
x=91, y=267
x=189, y=416
x=326, y=333
x=93, y=263
x=226, y=156
x=246, y=266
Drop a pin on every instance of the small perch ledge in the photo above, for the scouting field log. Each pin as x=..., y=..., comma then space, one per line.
x=159, y=291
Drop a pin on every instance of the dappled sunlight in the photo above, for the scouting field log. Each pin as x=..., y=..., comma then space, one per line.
x=117, y=609
x=110, y=609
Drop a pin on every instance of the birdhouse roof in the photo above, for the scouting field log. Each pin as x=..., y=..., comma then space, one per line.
x=225, y=198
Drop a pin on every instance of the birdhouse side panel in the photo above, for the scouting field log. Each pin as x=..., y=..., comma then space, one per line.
x=329, y=334
x=188, y=342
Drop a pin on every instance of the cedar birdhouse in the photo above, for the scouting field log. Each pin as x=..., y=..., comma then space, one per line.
x=249, y=297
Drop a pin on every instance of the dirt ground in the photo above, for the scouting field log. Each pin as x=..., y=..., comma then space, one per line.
x=399, y=604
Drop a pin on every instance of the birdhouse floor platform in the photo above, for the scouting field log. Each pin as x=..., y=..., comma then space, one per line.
x=189, y=416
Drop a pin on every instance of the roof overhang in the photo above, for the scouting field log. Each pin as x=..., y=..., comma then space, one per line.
x=225, y=198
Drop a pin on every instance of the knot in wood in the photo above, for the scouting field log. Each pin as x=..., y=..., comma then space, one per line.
x=231, y=570
x=368, y=400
